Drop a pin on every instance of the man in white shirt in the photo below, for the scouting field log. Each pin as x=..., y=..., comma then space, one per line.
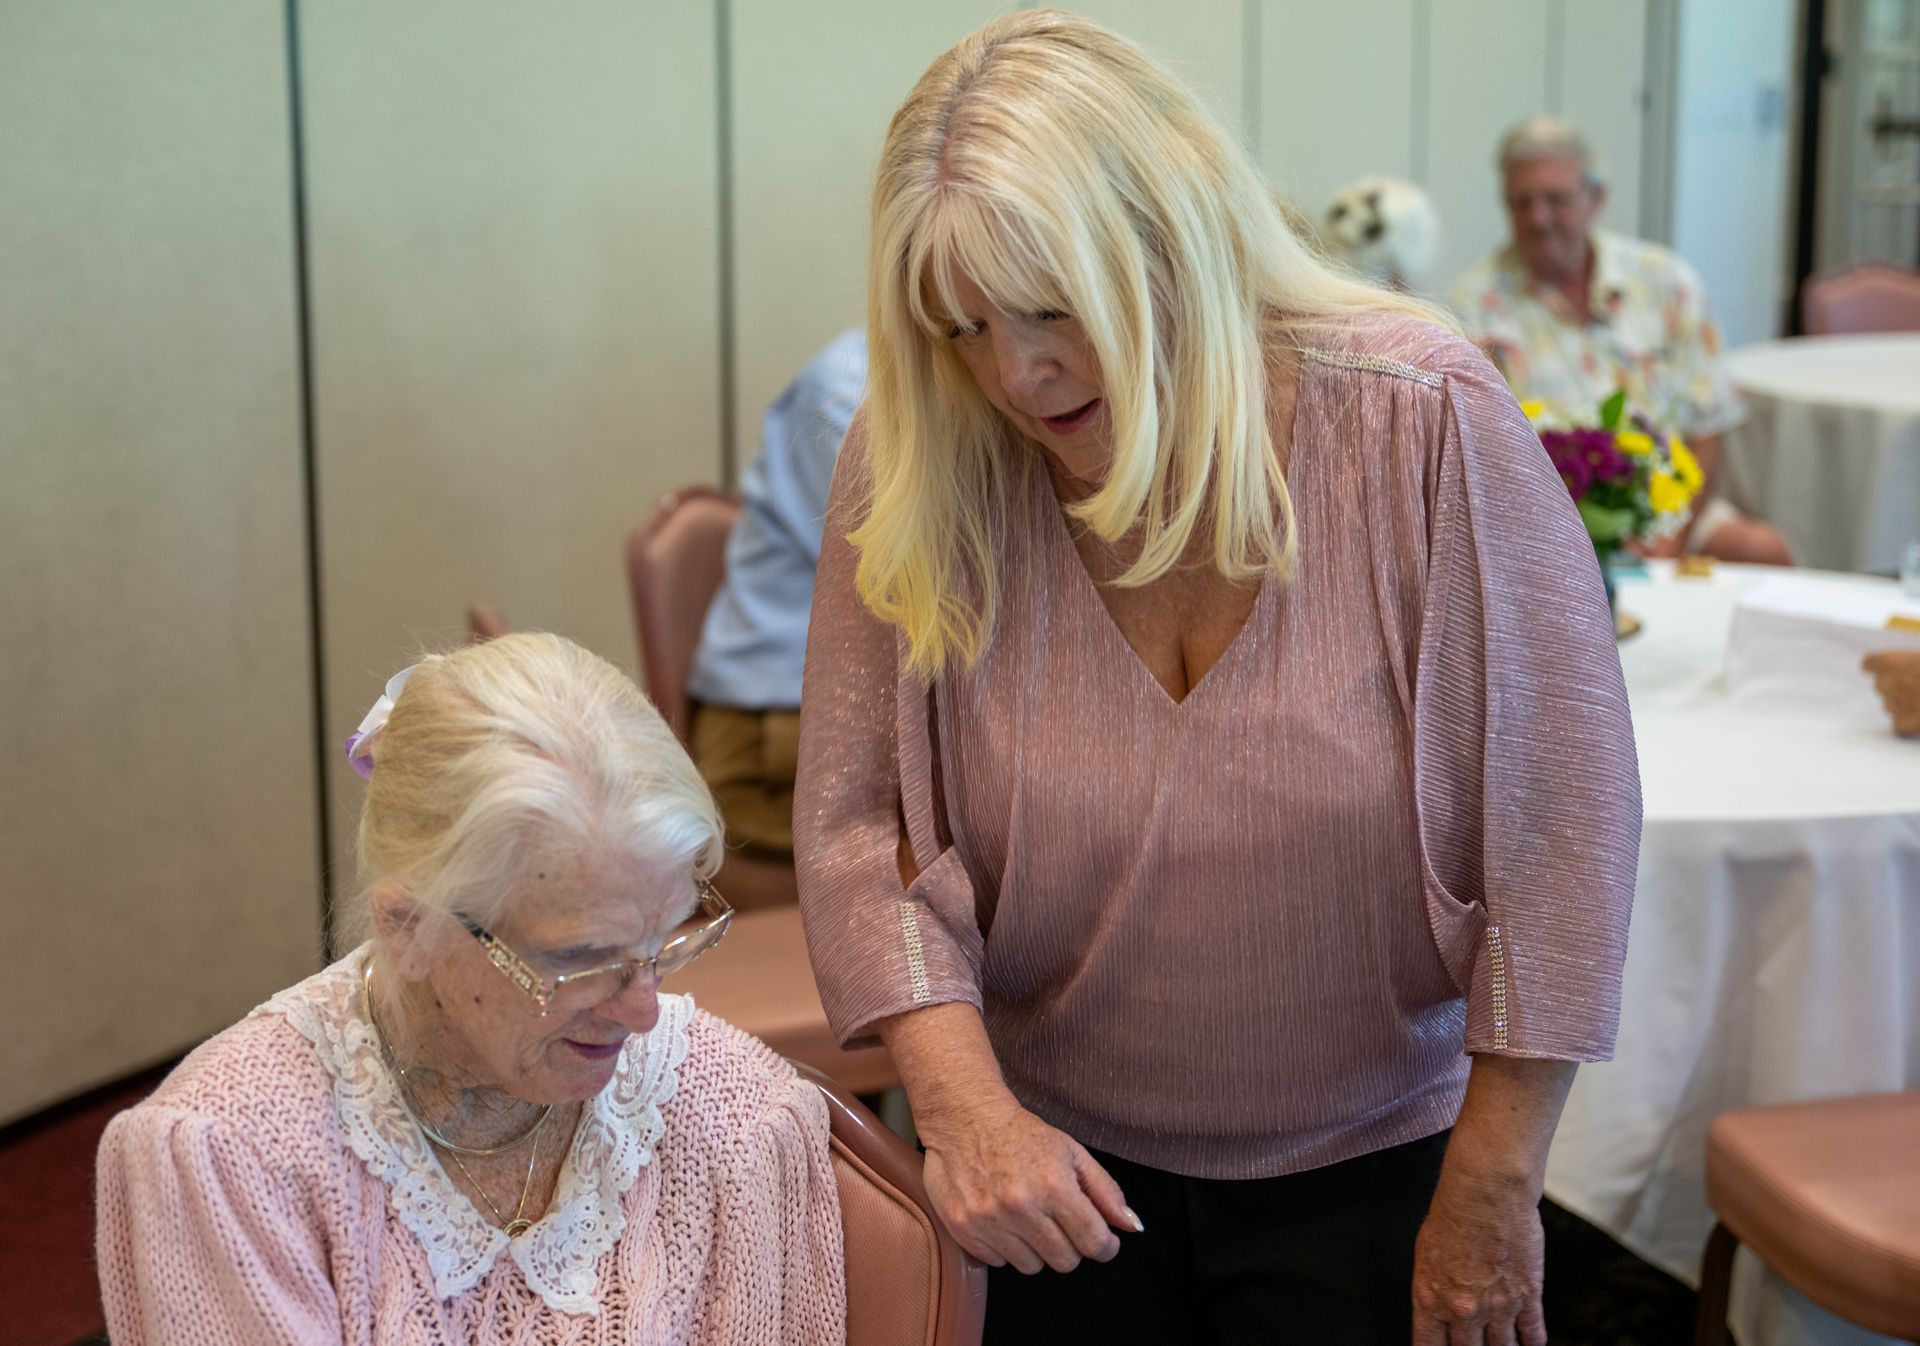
x=746, y=673
x=1572, y=313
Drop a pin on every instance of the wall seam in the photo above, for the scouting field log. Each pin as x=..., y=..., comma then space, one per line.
x=724, y=211
x=1250, y=39
x=1556, y=62
x=310, y=476
x=1420, y=104
x=1658, y=126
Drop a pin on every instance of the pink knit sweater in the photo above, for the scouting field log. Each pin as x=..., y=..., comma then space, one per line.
x=273, y=1191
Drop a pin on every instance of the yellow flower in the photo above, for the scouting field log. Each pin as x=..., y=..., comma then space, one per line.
x=1667, y=493
x=1636, y=442
x=1532, y=410
x=1685, y=465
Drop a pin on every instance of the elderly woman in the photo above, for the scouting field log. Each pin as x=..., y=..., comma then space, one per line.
x=486, y=1124
x=1216, y=788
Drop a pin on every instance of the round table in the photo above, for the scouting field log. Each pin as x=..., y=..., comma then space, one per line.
x=1775, y=945
x=1830, y=452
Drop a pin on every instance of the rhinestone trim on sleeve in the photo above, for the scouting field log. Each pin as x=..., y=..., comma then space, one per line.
x=916, y=955
x=1497, y=957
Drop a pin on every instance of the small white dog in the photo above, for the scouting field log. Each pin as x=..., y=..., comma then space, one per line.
x=1384, y=228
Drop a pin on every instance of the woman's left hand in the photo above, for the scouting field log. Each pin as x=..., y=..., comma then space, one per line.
x=1479, y=1268
x=1480, y=1261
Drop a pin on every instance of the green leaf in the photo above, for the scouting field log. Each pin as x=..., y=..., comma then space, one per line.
x=1612, y=409
x=1604, y=524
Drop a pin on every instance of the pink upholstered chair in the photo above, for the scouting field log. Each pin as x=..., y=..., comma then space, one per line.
x=908, y=1282
x=675, y=562
x=1827, y=1194
x=1869, y=297
x=484, y=623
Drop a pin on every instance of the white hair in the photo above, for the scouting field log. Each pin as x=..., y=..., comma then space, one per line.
x=495, y=754
x=1548, y=137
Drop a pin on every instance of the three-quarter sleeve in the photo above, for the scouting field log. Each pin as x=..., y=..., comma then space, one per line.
x=878, y=948
x=201, y=1242
x=1525, y=776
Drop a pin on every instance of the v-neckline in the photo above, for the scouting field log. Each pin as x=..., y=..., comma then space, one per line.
x=1090, y=592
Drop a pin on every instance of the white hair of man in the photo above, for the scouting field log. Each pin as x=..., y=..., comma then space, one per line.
x=1548, y=137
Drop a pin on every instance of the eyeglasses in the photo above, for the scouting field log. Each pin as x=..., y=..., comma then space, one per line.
x=572, y=992
x=1558, y=202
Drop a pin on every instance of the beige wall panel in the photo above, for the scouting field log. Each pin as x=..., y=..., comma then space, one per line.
x=1604, y=93
x=515, y=277
x=1335, y=95
x=157, y=814
x=814, y=86
x=1202, y=40
x=1487, y=68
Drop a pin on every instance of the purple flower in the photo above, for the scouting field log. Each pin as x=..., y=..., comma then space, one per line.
x=1568, y=451
x=1603, y=458
x=1559, y=445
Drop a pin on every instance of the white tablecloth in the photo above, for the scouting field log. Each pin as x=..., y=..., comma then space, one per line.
x=1830, y=453
x=1775, y=948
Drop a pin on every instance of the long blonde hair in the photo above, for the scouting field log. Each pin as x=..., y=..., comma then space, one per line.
x=1058, y=166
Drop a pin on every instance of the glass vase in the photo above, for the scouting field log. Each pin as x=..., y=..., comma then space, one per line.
x=1624, y=623
x=1604, y=552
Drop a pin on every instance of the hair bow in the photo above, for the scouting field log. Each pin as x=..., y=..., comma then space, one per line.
x=360, y=742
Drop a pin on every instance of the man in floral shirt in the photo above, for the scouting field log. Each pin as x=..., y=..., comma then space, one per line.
x=1571, y=313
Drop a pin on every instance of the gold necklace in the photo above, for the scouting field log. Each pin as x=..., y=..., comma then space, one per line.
x=366, y=995
x=518, y=1225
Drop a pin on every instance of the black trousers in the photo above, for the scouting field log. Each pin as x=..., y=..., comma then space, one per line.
x=1323, y=1257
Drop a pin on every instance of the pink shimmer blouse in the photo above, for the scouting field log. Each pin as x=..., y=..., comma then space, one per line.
x=1254, y=931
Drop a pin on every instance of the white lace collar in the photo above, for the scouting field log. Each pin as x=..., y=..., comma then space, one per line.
x=588, y=1212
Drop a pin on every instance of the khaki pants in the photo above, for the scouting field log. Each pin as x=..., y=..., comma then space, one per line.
x=748, y=759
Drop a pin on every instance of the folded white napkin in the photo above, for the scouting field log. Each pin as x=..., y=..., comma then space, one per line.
x=1797, y=640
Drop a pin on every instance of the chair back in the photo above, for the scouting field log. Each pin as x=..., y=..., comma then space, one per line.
x=1870, y=297
x=908, y=1282
x=675, y=562
x=485, y=623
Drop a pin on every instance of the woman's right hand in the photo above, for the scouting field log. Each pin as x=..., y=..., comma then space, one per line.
x=1015, y=1191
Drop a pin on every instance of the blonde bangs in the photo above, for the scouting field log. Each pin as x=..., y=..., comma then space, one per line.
x=1072, y=251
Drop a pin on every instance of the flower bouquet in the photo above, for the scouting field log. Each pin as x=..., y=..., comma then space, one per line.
x=1630, y=480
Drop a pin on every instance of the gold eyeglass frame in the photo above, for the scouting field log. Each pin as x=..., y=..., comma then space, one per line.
x=544, y=992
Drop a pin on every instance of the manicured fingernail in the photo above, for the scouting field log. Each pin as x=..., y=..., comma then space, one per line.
x=1133, y=1219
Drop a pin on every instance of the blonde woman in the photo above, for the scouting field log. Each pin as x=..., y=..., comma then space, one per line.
x=1216, y=783
x=486, y=1124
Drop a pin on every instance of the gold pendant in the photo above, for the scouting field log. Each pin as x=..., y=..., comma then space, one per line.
x=515, y=1228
